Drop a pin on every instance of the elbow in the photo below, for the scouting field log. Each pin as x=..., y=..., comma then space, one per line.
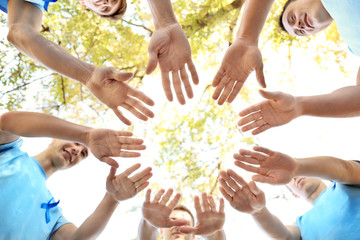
x=5, y=119
x=19, y=34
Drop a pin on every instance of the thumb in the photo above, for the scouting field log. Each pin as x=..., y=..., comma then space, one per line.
x=152, y=63
x=178, y=222
x=254, y=188
x=188, y=230
x=122, y=76
x=271, y=95
x=260, y=76
x=112, y=173
x=110, y=161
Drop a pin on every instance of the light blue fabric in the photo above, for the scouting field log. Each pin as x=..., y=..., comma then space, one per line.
x=346, y=14
x=335, y=215
x=41, y=4
x=22, y=192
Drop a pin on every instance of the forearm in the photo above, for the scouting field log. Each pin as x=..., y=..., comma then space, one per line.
x=272, y=225
x=343, y=102
x=330, y=168
x=219, y=235
x=253, y=19
x=162, y=12
x=146, y=231
x=96, y=222
x=30, y=124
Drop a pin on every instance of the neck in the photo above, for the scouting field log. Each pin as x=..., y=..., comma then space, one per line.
x=44, y=160
x=312, y=198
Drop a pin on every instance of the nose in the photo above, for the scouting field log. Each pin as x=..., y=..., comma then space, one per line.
x=301, y=25
x=75, y=151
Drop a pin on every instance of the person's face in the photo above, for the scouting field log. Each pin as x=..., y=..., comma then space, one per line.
x=102, y=7
x=305, y=17
x=304, y=186
x=173, y=232
x=66, y=154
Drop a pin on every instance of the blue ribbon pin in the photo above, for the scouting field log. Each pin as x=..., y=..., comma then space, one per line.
x=48, y=206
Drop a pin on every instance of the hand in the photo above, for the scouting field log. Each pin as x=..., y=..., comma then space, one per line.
x=239, y=61
x=109, y=86
x=170, y=47
x=274, y=167
x=157, y=213
x=209, y=219
x=279, y=109
x=122, y=187
x=247, y=198
x=105, y=143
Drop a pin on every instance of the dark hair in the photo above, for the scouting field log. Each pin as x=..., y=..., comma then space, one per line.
x=181, y=207
x=282, y=27
x=118, y=14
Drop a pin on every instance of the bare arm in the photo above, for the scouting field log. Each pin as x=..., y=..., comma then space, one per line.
x=162, y=12
x=146, y=231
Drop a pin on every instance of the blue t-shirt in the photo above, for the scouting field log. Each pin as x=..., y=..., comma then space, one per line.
x=41, y=4
x=335, y=215
x=24, y=197
x=346, y=14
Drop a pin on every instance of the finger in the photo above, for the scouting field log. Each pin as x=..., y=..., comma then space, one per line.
x=226, y=187
x=205, y=202
x=254, y=189
x=143, y=180
x=247, y=167
x=120, y=116
x=126, y=154
x=193, y=72
x=263, y=150
x=152, y=63
x=226, y=92
x=221, y=206
x=251, y=109
x=129, y=140
x=142, y=187
x=110, y=162
x=237, y=177
x=188, y=230
x=185, y=80
x=271, y=95
x=142, y=97
x=225, y=194
x=111, y=175
x=123, y=133
x=132, y=147
x=250, y=118
x=263, y=179
x=141, y=174
x=177, y=87
x=131, y=169
x=261, y=129
x=122, y=76
x=174, y=201
x=219, y=75
x=255, y=124
x=166, y=85
x=256, y=155
x=166, y=197
x=220, y=87
x=197, y=204
x=139, y=106
x=178, y=222
x=246, y=159
x=235, y=91
x=147, y=195
x=260, y=76
x=230, y=182
x=134, y=111
x=212, y=203
x=158, y=196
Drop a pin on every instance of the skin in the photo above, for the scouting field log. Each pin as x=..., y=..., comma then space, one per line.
x=308, y=188
x=102, y=7
x=305, y=17
x=173, y=232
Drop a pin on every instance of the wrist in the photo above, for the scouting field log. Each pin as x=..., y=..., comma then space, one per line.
x=85, y=135
x=260, y=212
x=247, y=39
x=300, y=106
x=86, y=78
x=111, y=199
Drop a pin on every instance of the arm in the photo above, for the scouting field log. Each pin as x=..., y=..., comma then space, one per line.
x=119, y=188
x=170, y=48
x=248, y=198
x=103, y=143
x=210, y=221
x=104, y=82
x=156, y=214
x=278, y=168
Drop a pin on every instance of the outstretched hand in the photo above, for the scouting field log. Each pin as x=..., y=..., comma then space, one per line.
x=122, y=187
x=157, y=213
x=279, y=109
x=239, y=61
x=244, y=197
x=170, y=48
x=270, y=166
x=210, y=220
x=110, y=87
x=105, y=143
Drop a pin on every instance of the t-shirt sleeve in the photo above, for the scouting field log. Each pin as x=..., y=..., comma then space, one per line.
x=61, y=221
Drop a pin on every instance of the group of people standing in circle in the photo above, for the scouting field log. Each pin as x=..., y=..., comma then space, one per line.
x=28, y=209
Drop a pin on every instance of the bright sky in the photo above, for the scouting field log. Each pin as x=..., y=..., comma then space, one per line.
x=81, y=189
